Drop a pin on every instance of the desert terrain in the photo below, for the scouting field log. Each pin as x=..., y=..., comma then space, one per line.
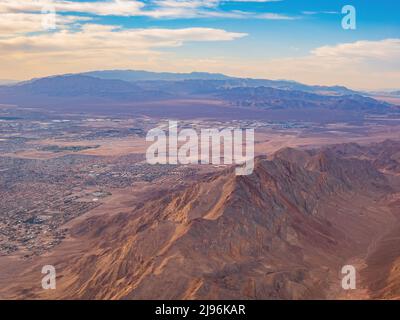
x=77, y=193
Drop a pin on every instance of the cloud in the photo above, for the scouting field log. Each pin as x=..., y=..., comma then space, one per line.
x=105, y=7
x=95, y=46
x=360, y=64
x=187, y=3
x=104, y=37
x=384, y=50
x=275, y=16
x=12, y=24
x=29, y=50
x=183, y=9
x=319, y=12
x=251, y=1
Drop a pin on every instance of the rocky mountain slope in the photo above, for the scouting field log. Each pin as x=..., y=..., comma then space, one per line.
x=283, y=232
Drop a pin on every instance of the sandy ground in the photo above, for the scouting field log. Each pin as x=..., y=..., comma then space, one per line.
x=267, y=141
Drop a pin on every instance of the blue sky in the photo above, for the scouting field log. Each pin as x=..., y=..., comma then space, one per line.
x=292, y=39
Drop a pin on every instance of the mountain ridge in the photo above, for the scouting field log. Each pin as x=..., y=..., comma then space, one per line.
x=142, y=75
x=283, y=232
x=77, y=92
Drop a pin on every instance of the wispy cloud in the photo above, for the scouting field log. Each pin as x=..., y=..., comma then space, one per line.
x=24, y=16
x=94, y=46
x=104, y=37
x=384, y=50
x=276, y=16
x=110, y=7
x=251, y=1
x=319, y=12
x=183, y=9
x=12, y=24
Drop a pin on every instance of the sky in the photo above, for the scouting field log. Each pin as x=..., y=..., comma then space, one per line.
x=273, y=39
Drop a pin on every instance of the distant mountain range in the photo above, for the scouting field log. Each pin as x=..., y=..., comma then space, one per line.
x=7, y=82
x=393, y=93
x=133, y=75
x=192, y=94
x=139, y=75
